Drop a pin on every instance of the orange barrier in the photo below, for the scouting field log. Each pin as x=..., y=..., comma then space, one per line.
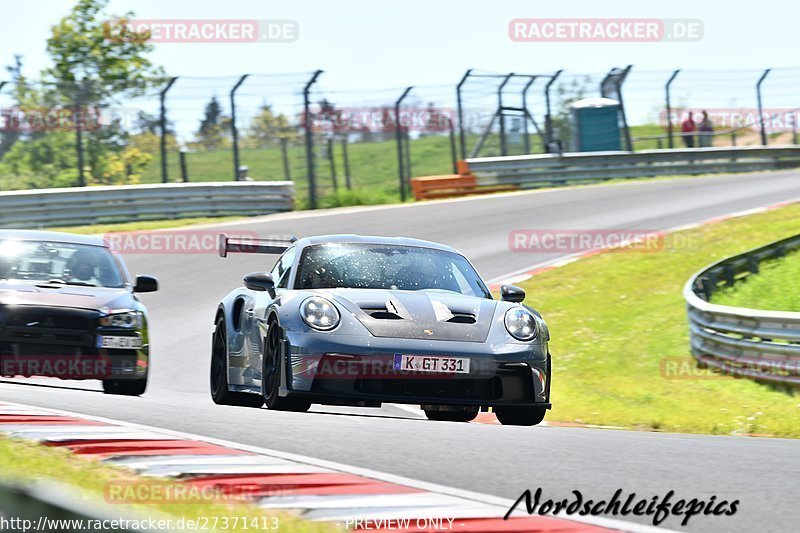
x=449, y=185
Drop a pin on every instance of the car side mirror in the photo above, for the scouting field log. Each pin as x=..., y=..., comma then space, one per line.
x=260, y=281
x=511, y=293
x=145, y=284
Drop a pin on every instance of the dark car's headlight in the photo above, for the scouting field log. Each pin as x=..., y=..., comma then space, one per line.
x=520, y=323
x=125, y=319
x=319, y=313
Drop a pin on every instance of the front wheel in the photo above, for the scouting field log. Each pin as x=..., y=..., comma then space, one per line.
x=459, y=415
x=519, y=416
x=219, y=374
x=125, y=387
x=271, y=374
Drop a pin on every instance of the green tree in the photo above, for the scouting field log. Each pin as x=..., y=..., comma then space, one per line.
x=214, y=128
x=267, y=129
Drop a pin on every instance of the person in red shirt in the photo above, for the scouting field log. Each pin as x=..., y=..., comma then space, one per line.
x=688, y=128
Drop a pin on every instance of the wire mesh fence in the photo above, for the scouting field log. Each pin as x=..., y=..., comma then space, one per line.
x=343, y=145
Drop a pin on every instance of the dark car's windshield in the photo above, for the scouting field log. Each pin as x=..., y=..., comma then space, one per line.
x=376, y=266
x=58, y=262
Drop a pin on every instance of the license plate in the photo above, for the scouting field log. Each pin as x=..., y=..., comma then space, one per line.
x=124, y=343
x=430, y=363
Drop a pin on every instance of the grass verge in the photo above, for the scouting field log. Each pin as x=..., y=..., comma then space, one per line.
x=24, y=462
x=772, y=288
x=617, y=319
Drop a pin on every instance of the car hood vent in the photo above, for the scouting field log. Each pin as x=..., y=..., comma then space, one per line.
x=425, y=315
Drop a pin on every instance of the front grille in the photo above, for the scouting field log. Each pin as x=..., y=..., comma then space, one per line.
x=434, y=387
x=49, y=326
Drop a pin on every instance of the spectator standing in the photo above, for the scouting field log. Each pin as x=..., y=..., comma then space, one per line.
x=688, y=128
x=706, y=130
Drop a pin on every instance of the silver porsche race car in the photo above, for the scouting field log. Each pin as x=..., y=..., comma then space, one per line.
x=359, y=321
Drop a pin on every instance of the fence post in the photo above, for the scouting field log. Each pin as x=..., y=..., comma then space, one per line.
x=184, y=173
x=399, y=137
x=670, y=141
x=346, y=162
x=760, y=109
x=408, y=155
x=287, y=174
x=502, y=117
x=234, y=131
x=527, y=141
x=548, y=120
x=461, y=135
x=332, y=161
x=453, y=152
x=163, y=124
x=312, y=179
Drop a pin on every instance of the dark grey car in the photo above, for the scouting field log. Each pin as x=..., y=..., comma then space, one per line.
x=359, y=321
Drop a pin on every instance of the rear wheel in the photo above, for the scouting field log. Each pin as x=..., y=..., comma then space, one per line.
x=519, y=416
x=272, y=365
x=219, y=374
x=125, y=387
x=456, y=415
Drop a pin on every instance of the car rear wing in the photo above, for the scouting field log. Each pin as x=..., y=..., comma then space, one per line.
x=249, y=245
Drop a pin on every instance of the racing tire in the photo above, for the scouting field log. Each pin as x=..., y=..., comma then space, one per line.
x=219, y=375
x=461, y=415
x=519, y=416
x=125, y=387
x=272, y=365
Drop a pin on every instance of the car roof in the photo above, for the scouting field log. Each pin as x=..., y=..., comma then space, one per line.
x=370, y=239
x=52, y=236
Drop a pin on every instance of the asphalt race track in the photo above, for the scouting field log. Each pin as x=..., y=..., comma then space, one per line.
x=762, y=473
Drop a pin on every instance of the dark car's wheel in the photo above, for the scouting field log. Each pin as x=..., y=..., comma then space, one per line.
x=125, y=387
x=219, y=374
x=520, y=416
x=272, y=365
x=459, y=415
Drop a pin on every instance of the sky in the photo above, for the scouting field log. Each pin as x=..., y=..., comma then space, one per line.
x=368, y=46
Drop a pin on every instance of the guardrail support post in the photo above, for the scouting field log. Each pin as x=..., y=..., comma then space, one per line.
x=184, y=173
x=346, y=162
x=287, y=175
x=162, y=121
x=669, y=109
x=548, y=120
x=461, y=135
x=399, y=137
x=453, y=152
x=234, y=131
x=312, y=179
x=760, y=109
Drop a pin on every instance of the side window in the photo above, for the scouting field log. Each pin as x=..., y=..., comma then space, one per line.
x=283, y=268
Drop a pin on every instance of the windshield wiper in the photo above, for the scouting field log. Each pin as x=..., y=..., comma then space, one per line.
x=57, y=281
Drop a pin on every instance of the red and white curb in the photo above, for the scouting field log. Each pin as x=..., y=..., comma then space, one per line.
x=525, y=274
x=309, y=488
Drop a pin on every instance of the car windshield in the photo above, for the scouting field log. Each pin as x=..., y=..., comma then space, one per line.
x=371, y=266
x=59, y=263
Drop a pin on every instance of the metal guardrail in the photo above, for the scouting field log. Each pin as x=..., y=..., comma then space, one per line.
x=753, y=343
x=548, y=169
x=93, y=205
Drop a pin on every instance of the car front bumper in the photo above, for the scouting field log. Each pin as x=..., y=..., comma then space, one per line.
x=345, y=370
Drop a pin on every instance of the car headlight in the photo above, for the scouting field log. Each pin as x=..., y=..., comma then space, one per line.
x=520, y=324
x=319, y=313
x=125, y=319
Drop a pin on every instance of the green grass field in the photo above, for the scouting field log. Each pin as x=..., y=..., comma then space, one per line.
x=773, y=288
x=91, y=481
x=618, y=320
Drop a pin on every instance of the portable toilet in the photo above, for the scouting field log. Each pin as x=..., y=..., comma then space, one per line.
x=596, y=125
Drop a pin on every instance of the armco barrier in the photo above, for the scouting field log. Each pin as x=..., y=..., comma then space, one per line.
x=93, y=205
x=753, y=343
x=547, y=170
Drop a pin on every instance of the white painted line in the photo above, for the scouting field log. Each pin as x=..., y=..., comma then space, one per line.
x=476, y=498
x=417, y=499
